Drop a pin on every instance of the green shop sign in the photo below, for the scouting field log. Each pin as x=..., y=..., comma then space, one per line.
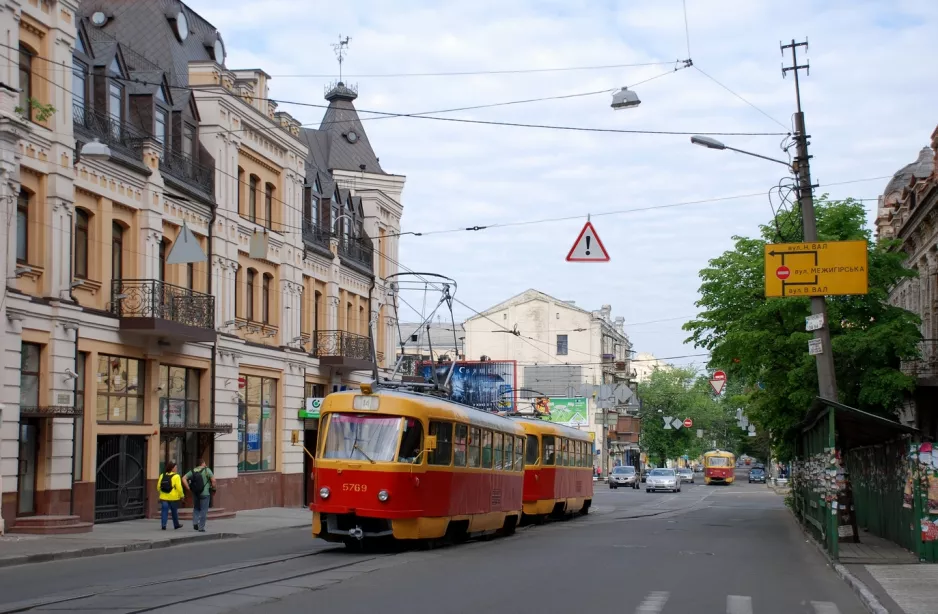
x=313, y=405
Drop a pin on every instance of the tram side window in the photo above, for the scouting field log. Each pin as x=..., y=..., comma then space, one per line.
x=411, y=441
x=475, y=457
x=564, y=458
x=487, y=449
x=547, y=441
x=509, y=444
x=443, y=454
x=462, y=432
x=499, y=445
x=584, y=455
x=533, y=451
x=519, y=452
x=579, y=453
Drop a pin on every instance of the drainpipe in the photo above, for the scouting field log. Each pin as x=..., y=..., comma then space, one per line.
x=208, y=285
x=71, y=295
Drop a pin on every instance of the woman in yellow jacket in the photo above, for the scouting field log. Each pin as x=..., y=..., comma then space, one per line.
x=170, y=488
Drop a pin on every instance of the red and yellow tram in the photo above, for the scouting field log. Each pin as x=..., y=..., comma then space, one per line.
x=414, y=467
x=558, y=470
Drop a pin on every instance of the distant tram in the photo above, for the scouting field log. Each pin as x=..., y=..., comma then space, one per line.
x=408, y=466
x=719, y=467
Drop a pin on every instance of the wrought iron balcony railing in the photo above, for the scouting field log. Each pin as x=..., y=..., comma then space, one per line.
x=926, y=365
x=154, y=299
x=185, y=169
x=338, y=343
x=118, y=135
x=357, y=251
x=315, y=234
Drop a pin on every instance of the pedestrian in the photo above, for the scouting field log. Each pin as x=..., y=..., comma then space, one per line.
x=170, y=488
x=201, y=483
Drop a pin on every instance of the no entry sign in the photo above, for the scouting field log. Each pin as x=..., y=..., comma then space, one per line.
x=688, y=423
x=783, y=272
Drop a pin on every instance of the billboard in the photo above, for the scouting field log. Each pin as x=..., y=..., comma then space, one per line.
x=488, y=385
x=569, y=411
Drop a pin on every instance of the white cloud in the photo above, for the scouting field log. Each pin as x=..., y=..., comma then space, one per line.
x=867, y=103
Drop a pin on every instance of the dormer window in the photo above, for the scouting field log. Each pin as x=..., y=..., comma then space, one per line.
x=159, y=133
x=160, y=95
x=115, y=67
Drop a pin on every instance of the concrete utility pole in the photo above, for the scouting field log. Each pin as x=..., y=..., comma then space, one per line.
x=827, y=380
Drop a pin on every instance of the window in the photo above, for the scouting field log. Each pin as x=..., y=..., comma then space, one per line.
x=252, y=198
x=188, y=138
x=561, y=345
x=81, y=244
x=29, y=375
x=304, y=311
x=240, y=203
x=498, y=445
x=257, y=420
x=533, y=451
x=179, y=396
x=249, y=304
x=507, y=458
x=549, y=457
x=26, y=79
x=474, y=438
x=265, y=299
x=237, y=292
x=269, y=206
x=79, y=85
x=411, y=441
x=190, y=275
x=80, y=366
x=117, y=251
x=487, y=449
x=519, y=452
x=22, y=226
x=115, y=98
x=161, y=268
x=160, y=131
x=459, y=445
x=317, y=302
x=120, y=389
x=362, y=437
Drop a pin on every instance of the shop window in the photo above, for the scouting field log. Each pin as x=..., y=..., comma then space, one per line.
x=117, y=251
x=249, y=304
x=82, y=220
x=498, y=445
x=252, y=198
x=411, y=441
x=22, y=226
x=29, y=375
x=487, y=449
x=459, y=445
x=547, y=442
x=533, y=451
x=475, y=458
x=179, y=396
x=314, y=391
x=443, y=454
x=120, y=389
x=257, y=420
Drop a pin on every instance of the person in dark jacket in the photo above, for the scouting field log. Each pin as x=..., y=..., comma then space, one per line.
x=201, y=499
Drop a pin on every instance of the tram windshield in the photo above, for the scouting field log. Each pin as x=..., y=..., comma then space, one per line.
x=718, y=461
x=362, y=437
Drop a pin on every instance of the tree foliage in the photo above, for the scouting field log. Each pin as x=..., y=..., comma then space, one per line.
x=762, y=342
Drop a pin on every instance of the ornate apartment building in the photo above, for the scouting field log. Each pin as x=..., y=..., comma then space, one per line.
x=908, y=210
x=120, y=348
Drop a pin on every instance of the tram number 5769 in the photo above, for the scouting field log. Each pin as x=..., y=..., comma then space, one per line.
x=355, y=487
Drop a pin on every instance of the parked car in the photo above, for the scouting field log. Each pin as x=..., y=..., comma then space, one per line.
x=663, y=479
x=625, y=477
x=686, y=474
x=757, y=474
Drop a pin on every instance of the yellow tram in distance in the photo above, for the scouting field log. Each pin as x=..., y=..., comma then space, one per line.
x=407, y=466
x=719, y=467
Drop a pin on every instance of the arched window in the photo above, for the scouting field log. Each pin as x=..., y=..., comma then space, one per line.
x=26, y=79
x=22, y=226
x=117, y=251
x=249, y=304
x=269, y=206
x=252, y=198
x=81, y=243
x=265, y=299
x=161, y=265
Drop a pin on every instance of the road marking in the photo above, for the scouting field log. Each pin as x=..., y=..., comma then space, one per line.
x=737, y=604
x=653, y=603
x=825, y=607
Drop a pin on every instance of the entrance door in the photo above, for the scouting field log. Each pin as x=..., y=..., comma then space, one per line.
x=28, y=458
x=309, y=442
x=120, y=481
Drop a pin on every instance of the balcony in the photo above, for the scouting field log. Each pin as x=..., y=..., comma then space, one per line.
x=316, y=238
x=120, y=137
x=357, y=253
x=158, y=309
x=189, y=173
x=925, y=367
x=339, y=349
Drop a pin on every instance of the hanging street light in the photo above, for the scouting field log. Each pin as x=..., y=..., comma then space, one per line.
x=624, y=99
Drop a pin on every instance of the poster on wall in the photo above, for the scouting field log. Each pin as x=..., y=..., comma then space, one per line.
x=569, y=411
x=487, y=385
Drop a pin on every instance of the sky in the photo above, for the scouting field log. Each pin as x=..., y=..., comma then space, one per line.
x=866, y=103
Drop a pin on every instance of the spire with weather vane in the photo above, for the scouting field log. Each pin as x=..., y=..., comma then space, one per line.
x=338, y=89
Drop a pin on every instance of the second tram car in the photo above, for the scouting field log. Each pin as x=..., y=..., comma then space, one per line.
x=409, y=466
x=558, y=470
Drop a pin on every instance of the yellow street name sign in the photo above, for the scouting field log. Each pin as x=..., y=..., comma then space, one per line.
x=823, y=268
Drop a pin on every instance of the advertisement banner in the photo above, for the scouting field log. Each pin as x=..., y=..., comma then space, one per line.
x=488, y=385
x=569, y=411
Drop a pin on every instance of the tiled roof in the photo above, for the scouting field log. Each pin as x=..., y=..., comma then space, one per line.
x=340, y=119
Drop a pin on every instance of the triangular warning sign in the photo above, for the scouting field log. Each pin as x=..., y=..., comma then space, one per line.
x=717, y=385
x=588, y=247
x=186, y=249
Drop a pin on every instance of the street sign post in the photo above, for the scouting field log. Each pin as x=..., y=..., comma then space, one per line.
x=688, y=423
x=816, y=269
x=718, y=381
x=588, y=247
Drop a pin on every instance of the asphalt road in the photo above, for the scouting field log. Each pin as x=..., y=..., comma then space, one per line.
x=732, y=549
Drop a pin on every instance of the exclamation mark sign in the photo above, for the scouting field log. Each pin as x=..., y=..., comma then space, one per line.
x=587, y=245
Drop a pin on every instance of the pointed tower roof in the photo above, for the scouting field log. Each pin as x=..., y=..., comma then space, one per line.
x=348, y=147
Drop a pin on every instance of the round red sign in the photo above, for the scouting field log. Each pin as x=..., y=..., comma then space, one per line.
x=782, y=272
x=719, y=375
x=688, y=423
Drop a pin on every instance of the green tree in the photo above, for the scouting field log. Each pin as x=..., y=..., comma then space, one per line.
x=763, y=344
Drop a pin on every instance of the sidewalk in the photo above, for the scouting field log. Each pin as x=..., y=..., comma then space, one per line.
x=115, y=537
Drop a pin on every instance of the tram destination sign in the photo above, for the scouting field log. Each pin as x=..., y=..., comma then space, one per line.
x=824, y=268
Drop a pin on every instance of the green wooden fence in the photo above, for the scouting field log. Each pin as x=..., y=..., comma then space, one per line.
x=811, y=501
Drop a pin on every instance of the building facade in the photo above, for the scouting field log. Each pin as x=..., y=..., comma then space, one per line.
x=559, y=348
x=182, y=295
x=908, y=211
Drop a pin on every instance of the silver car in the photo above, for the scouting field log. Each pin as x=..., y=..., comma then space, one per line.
x=663, y=479
x=686, y=474
x=626, y=477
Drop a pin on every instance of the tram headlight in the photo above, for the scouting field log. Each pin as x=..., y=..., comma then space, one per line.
x=324, y=492
x=383, y=495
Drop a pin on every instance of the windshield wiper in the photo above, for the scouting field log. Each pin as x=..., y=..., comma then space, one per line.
x=355, y=446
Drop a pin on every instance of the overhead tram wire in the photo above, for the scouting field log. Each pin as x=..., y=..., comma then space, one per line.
x=518, y=71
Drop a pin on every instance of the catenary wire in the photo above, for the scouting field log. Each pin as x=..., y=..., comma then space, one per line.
x=468, y=73
x=707, y=75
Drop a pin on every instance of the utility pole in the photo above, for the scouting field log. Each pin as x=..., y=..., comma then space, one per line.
x=827, y=380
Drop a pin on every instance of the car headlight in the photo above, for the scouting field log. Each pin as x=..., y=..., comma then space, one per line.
x=324, y=492
x=383, y=495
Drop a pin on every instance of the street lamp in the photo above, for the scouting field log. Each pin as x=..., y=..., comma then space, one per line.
x=709, y=143
x=625, y=99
